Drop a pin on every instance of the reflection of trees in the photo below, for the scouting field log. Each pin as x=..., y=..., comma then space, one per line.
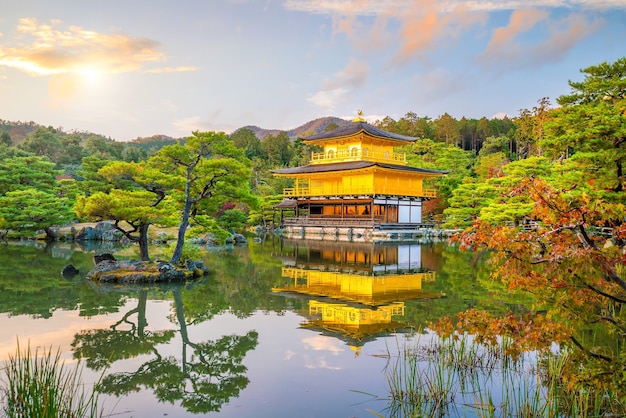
x=31, y=282
x=101, y=346
x=202, y=380
x=465, y=279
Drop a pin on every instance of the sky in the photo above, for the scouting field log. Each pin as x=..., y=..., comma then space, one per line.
x=137, y=68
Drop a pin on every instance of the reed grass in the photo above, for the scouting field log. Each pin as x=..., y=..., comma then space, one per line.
x=457, y=377
x=40, y=384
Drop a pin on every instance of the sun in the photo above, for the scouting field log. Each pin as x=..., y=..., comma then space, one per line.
x=90, y=75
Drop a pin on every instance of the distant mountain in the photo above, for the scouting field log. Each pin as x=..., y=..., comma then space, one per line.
x=153, y=143
x=313, y=127
x=19, y=130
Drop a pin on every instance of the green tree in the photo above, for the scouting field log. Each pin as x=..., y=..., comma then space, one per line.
x=5, y=139
x=32, y=210
x=483, y=131
x=27, y=172
x=137, y=200
x=90, y=180
x=72, y=151
x=530, y=128
x=388, y=124
x=468, y=132
x=134, y=153
x=232, y=219
x=413, y=125
x=590, y=125
x=426, y=153
x=246, y=140
x=103, y=148
x=467, y=201
x=490, y=165
x=209, y=170
x=277, y=150
x=495, y=144
x=447, y=130
x=43, y=142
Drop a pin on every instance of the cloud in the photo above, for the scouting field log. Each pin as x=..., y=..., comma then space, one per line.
x=328, y=99
x=508, y=49
x=336, y=88
x=375, y=7
x=322, y=343
x=419, y=29
x=519, y=22
x=425, y=25
x=354, y=75
x=191, y=124
x=171, y=70
x=43, y=49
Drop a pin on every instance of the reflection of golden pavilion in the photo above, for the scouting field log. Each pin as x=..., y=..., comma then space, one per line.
x=356, y=291
x=355, y=287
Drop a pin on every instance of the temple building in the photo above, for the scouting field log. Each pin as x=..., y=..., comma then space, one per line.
x=357, y=184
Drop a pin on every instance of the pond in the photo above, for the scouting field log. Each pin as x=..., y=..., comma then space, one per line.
x=278, y=328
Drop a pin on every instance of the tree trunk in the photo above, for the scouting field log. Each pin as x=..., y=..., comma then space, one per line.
x=180, y=241
x=143, y=242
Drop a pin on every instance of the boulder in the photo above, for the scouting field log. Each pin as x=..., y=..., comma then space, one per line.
x=69, y=271
x=98, y=258
x=134, y=271
x=240, y=239
x=87, y=233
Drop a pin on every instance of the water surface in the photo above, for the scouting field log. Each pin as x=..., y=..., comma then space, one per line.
x=277, y=329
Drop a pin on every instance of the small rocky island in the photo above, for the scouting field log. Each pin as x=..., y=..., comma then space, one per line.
x=110, y=270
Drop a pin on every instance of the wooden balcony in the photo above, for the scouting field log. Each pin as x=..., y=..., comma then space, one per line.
x=356, y=191
x=358, y=155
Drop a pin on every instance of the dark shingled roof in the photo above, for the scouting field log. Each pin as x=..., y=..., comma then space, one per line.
x=352, y=165
x=355, y=127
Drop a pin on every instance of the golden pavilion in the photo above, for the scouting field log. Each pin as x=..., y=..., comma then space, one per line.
x=357, y=184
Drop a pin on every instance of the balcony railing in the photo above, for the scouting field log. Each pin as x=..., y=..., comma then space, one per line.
x=357, y=155
x=356, y=191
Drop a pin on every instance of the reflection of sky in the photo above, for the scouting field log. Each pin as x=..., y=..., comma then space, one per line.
x=58, y=331
x=292, y=371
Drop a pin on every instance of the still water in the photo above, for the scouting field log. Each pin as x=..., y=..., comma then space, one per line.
x=277, y=329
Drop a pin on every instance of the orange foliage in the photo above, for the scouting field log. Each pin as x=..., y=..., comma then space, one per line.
x=569, y=263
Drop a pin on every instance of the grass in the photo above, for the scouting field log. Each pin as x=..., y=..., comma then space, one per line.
x=457, y=377
x=40, y=384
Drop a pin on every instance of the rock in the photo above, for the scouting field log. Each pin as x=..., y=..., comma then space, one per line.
x=196, y=266
x=103, y=227
x=86, y=234
x=164, y=266
x=111, y=235
x=97, y=259
x=134, y=271
x=69, y=271
x=240, y=239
